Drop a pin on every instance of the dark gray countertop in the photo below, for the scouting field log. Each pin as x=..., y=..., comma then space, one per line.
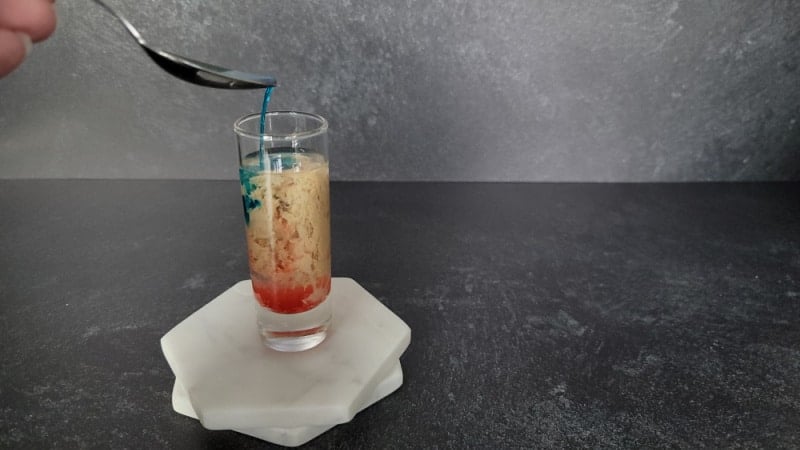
x=542, y=315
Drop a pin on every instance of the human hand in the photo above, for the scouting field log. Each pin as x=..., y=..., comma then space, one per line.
x=23, y=22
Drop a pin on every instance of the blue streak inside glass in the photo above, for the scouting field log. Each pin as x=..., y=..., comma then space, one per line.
x=264, y=105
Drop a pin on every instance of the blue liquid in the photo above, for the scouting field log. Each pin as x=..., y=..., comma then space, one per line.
x=248, y=187
x=283, y=159
x=264, y=105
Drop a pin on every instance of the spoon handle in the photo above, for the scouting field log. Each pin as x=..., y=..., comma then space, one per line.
x=191, y=70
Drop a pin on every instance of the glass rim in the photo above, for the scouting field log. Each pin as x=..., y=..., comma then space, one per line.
x=322, y=127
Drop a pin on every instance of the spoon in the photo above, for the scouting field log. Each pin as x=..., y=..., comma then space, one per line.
x=195, y=71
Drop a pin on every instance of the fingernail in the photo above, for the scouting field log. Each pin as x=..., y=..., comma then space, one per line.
x=27, y=42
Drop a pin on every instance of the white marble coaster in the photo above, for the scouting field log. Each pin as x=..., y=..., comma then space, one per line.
x=295, y=436
x=234, y=382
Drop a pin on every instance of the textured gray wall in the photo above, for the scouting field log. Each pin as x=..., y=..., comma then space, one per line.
x=599, y=90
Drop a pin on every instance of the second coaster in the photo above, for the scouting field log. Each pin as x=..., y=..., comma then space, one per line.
x=294, y=436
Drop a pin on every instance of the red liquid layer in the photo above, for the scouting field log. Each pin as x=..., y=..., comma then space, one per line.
x=291, y=299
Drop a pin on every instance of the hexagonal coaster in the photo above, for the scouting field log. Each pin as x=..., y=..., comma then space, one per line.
x=291, y=437
x=234, y=382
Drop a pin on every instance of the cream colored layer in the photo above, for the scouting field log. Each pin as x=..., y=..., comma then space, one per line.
x=288, y=238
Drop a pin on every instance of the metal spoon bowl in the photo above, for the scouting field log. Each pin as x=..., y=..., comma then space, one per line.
x=195, y=72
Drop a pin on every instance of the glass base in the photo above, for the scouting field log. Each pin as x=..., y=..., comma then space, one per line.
x=294, y=332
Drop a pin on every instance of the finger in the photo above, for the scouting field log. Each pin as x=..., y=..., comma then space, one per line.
x=36, y=18
x=13, y=49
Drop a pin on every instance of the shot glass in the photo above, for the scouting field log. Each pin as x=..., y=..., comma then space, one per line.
x=286, y=197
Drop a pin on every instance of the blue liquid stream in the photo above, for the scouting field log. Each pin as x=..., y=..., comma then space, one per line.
x=264, y=105
x=245, y=175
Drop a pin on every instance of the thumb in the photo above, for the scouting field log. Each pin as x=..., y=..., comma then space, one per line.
x=14, y=47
